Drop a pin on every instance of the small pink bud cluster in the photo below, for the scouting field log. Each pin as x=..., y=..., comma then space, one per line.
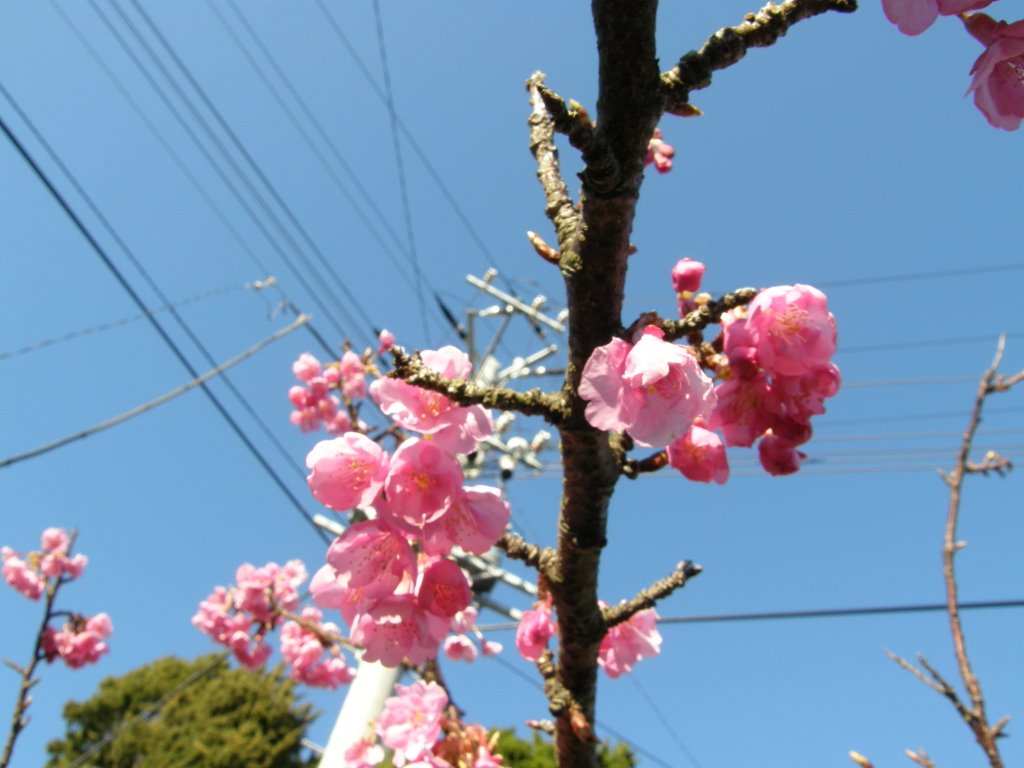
x=659, y=153
x=780, y=373
x=29, y=574
x=998, y=74
x=391, y=577
x=241, y=617
x=314, y=403
x=686, y=278
x=423, y=732
x=622, y=647
x=459, y=646
x=79, y=642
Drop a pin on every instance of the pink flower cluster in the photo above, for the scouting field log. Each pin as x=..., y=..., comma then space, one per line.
x=241, y=617
x=391, y=577
x=998, y=74
x=621, y=648
x=659, y=153
x=79, y=642
x=29, y=574
x=780, y=373
x=314, y=403
x=460, y=646
x=412, y=725
x=304, y=650
x=652, y=389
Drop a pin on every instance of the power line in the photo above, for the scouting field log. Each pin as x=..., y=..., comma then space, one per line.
x=660, y=717
x=303, y=233
x=239, y=198
x=402, y=184
x=175, y=157
x=909, y=382
x=917, y=276
x=311, y=118
x=818, y=613
x=926, y=343
x=111, y=324
x=119, y=276
x=157, y=401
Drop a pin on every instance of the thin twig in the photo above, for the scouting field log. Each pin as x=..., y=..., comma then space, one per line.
x=730, y=44
x=411, y=369
x=648, y=598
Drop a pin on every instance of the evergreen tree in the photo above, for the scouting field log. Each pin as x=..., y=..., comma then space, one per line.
x=203, y=714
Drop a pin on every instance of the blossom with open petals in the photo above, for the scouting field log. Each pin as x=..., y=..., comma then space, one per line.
x=998, y=82
x=915, y=16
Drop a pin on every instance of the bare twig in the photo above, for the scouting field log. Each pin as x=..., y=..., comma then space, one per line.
x=544, y=559
x=920, y=757
x=411, y=369
x=973, y=715
x=19, y=719
x=633, y=468
x=647, y=598
x=706, y=314
x=559, y=208
x=730, y=44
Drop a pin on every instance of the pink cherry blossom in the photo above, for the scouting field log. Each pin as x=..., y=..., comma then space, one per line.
x=442, y=588
x=485, y=759
x=475, y=521
x=802, y=397
x=793, y=328
x=79, y=642
x=20, y=575
x=422, y=481
x=306, y=367
x=653, y=390
x=915, y=16
x=251, y=652
x=363, y=754
x=700, y=456
x=779, y=456
x=659, y=153
x=55, y=540
x=371, y=557
x=411, y=721
x=491, y=647
x=536, y=627
x=456, y=428
x=354, y=380
x=259, y=591
x=686, y=276
x=460, y=648
x=396, y=628
x=628, y=642
x=348, y=471
x=744, y=410
x=998, y=82
x=386, y=340
x=304, y=651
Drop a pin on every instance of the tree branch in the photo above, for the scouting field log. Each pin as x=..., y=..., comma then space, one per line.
x=647, y=598
x=706, y=314
x=410, y=369
x=730, y=44
x=559, y=208
x=573, y=121
x=544, y=559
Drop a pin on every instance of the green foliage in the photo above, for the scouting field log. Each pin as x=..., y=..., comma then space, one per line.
x=539, y=753
x=224, y=718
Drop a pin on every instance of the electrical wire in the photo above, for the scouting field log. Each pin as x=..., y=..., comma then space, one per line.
x=239, y=198
x=403, y=186
x=241, y=148
x=818, y=613
x=157, y=401
x=327, y=166
x=111, y=324
x=119, y=276
x=660, y=717
x=939, y=274
x=921, y=343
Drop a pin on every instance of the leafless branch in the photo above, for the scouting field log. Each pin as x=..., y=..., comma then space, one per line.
x=411, y=369
x=730, y=44
x=648, y=598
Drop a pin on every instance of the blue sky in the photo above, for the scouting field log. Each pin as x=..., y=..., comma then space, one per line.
x=846, y=152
